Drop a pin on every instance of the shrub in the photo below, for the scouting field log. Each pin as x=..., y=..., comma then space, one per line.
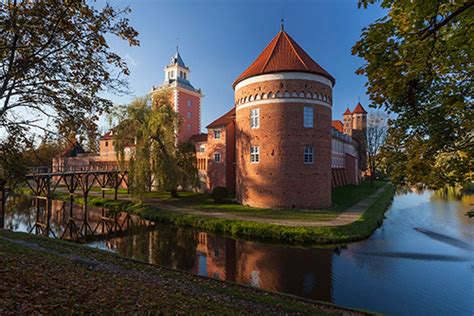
x=219, y=194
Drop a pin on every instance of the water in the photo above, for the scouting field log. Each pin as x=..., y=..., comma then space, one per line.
x=421, y=261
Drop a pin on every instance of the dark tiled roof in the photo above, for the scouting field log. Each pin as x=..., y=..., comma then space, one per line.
x=223, y=120
x=348, y=112
x=198, y=138
x=338, y=125
x=283, y=54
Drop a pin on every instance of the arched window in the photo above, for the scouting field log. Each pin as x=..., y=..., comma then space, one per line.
x=301, y=95
x=264, y=96
x=277, y=94
x=309, y=95
x=257, y=97
x=325, y=97
x=270, y=95
x=286, y=94
x=250, y=98
x=245, y=99
x=294, y=94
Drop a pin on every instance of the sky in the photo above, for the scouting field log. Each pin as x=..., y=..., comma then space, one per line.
x=219, y=39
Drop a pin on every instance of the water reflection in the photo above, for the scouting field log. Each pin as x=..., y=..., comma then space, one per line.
x=419, y=261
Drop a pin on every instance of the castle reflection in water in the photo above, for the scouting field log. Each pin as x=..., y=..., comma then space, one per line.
x=302, y=272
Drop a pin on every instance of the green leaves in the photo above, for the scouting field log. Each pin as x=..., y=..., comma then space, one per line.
x=418, y=62
x=158, y=160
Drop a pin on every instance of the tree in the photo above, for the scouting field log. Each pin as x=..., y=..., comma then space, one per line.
x=419, y=66
x=54, y=63
x=149, y=127
x=376, y=132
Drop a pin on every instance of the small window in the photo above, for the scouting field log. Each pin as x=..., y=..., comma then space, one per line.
x=189, y=127
x=308, y=117
x=254, y=154
x=190, y=103
x=106, y=144
x=190, y=115
x=184, y=76
x=217, y=157
x=217, y=134
x=255, y=118
x=172, y=73
x=181, y=74
x=308, y=154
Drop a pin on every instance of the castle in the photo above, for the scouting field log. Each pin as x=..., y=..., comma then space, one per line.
x=277, y=146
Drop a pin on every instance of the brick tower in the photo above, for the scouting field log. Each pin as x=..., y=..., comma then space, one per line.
x=185, y=98
x=283, y=107
x=359, y=133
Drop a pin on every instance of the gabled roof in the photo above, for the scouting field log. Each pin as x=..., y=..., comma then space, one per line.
x=283, y=54
x=337, y=124
x=348, y=112
x=359, y=109
x=198, y=138
x=223, y=120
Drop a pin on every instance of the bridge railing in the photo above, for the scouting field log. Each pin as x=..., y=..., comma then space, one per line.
x=74, y=168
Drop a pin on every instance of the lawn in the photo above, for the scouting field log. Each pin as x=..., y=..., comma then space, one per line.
x=342, y=197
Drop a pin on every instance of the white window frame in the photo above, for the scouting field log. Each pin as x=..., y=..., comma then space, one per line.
x=308, y=155
x=217, y=157
x=308, y=117
x=254, y=154
x=255, y=118
x=217, y=134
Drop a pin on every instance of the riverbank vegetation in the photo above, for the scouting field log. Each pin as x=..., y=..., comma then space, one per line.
x=198, y=210
x=42, y=275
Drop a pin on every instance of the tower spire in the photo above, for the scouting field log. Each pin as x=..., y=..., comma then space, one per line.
x=282, y=26
x=177, y=45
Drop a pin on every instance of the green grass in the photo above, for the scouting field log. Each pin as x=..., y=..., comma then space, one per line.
x=343, y=197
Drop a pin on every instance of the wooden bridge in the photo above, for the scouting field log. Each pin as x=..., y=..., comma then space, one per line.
x=78, y=181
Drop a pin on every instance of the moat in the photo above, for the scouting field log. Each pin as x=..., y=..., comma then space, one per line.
x=420, y=261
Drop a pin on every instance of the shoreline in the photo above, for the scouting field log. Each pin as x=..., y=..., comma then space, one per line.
x=70, y=277
x=361, y=228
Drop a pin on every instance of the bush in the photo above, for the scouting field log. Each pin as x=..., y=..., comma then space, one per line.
x=219, y=194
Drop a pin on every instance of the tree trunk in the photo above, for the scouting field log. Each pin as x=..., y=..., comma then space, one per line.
x=174, y=193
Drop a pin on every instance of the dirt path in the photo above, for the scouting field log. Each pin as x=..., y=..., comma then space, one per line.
x=348, y=216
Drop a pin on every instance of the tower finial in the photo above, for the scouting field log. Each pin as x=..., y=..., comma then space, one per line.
x=177, y=44
x=282, y=26
x=358, y=99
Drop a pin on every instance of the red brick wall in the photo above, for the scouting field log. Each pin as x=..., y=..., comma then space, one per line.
x=281, y=179
x=216, y=171
x=230, y=156
x=185, y=133
x=351, y=170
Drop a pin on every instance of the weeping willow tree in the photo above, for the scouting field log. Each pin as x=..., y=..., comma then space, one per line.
x=146, y=138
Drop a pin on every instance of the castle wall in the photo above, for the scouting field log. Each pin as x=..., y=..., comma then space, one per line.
x=189, y=126
x=281, y=178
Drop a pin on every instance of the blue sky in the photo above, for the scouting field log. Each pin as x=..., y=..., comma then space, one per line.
x=219, y=39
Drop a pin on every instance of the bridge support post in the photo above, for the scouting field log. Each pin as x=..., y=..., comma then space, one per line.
x=3, y=203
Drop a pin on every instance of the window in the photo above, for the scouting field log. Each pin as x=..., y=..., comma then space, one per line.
x=190, y=115
x=184, y=76
x=255, y=118
x=189, y=127
x=254, y=154
x=217, y=157
x=308, y=117
x=308, y=154
x=106, y=144
x=217, y=134
x=181, y=74
x=190, y=103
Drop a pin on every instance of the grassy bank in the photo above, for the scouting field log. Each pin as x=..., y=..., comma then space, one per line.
x=358, y=230
x=45, y=276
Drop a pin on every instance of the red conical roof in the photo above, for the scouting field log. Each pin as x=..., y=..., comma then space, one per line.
x=359, y=109
x=283, y=54
x=348, y=112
